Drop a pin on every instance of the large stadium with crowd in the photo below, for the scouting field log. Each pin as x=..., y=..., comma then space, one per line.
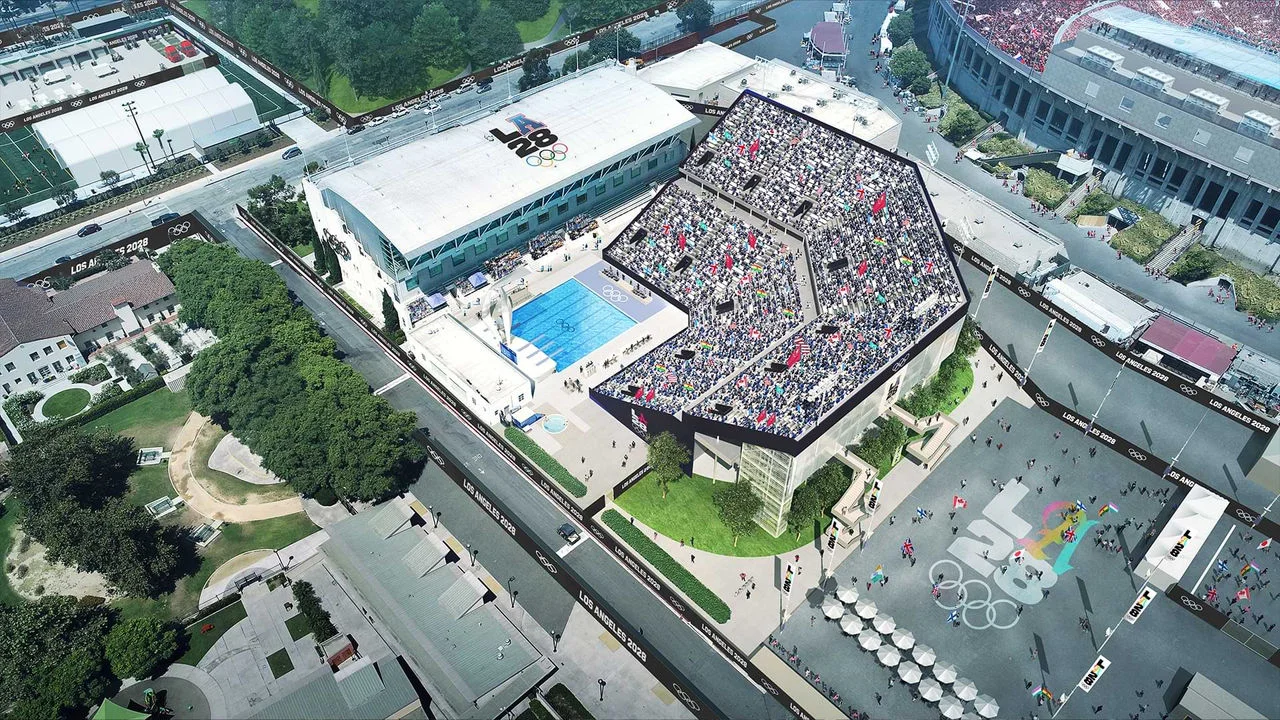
x=808, y=262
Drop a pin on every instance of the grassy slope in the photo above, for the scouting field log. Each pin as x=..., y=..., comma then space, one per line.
x=8, y=525
x=151, y=420
x=534, y=30
x=198, y=643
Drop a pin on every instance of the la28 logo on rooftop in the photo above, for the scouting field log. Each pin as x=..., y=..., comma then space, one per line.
x=533, y=141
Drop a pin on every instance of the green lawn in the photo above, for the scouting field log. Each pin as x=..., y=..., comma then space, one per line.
x=8, y=526
x=341, y=93
x=150, y=420
x=236, y=538
x=198, y=643
x=533, y=30
x=150, y=483
x=689, y=512
x=66, y=403
x=279, y=662
x=298, y=626
x=199, y=7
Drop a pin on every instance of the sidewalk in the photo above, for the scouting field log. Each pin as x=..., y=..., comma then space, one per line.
x=199, y=499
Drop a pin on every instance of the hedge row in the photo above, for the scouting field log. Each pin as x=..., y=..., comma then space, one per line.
x=106, y=406
x=662, y=561
x=94, y=374
x=549, y=465
x=567, y=705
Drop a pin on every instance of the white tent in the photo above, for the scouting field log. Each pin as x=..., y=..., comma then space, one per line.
x=102, y=136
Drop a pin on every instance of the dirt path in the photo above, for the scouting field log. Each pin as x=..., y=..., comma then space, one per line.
x=199, y=499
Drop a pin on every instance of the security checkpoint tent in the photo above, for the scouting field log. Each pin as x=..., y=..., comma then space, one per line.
x=102, y=136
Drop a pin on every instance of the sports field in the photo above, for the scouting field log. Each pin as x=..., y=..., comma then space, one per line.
x=269, y=103
x=28, y=172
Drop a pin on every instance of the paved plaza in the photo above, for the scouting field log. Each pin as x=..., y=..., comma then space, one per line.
x=1012, y=633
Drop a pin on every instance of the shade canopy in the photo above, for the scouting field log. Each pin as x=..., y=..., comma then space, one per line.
x=111, y=711
x=924, y=655
x=965, y=689
x=850, y=624
x=869, y=639
x=866, y=609
x=930, y=689
x=945, y=672
x=847, y=594
x=884, y=624
x=950, y=707
x=903, y=639
x=436, y=301
x=910, y=672
x=832, y=608
x=478, y=280
x=888, y=656
x=986, y=706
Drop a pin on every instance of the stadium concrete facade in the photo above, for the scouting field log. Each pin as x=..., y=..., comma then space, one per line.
x=1179, y=119
x=415, y=219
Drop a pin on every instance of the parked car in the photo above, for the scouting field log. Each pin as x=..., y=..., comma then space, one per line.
x=172, y=54
x=464, y=89
x=88, y=230
x=188, y=48
x=165, y=218
x=400, y=113
x=355, y=129
x=375, y=122
x=431, y=107
x=484, y=87
x=65, y=258
x=292, y=152
x=569, y=533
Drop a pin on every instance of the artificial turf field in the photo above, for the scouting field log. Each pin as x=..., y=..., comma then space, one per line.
x=28, y=172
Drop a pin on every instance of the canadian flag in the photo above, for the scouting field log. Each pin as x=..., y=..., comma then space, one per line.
x=958, y=502
x=1243, y=594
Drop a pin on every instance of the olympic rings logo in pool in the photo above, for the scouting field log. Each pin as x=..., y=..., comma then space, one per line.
x=990, y=615
x=548, y=157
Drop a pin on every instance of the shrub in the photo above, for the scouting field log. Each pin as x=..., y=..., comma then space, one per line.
x=542, y=459
x=1045, y=189
x=662, y=561
x=20, y=407
x=94, y=374
x=100, y=408
x=24, y=544
x=309, y=605
x=1096, y=202
x=171, y=337
x=21, y=572
x=881, y=448
x=1003, y=144
x=1196, y=263
x=123, y=367
x=152, y=354
x=108, y=391
x=39, y=590
x=566, y=704
x=961, y=124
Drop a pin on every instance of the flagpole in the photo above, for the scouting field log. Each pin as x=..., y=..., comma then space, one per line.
x=1039, y=349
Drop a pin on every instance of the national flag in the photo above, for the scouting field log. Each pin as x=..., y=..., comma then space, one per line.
x=680, y=240
x=880, y=202
x=728, y=262
x=907, y=547
x=649, y=395
x=921, y=513
x=1264, y=544
x=1212, y=594
x=639, y=393
x=888, y=333
x=862, y=193
x=754, y=334
x=803, y=346
x=1080, y=505
x=1242, y=594
x=958, y=502
x=928, y=266
x=794, y=357
x=744, y=381
x=862, y=268
x=706, y=345
x=751, y=238
x=1248, y=567
x=905, y=260
x=760, y=418
x=1019, y=554
x=789, y=313
x=834, y=338
x=844, y=290
x=880, y=299
x=878, y=575
x=757, y=268
x=773, y=418
x=755, y=147
x=879, y=241
x=671, y=378
x=1222, y=566
x=1042, y=691
x=1069, y=534
x=660, y=368
x=1109, y=507
x=762, y=293
x=953, y=617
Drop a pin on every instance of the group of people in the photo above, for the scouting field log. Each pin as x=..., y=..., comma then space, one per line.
x=736, y=282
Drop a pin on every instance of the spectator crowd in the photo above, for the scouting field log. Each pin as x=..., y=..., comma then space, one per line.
x=880, y=275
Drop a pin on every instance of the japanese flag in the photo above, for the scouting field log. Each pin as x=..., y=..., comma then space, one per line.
x=958, y=502
x=1264, y=544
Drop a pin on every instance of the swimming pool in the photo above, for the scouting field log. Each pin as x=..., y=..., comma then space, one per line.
x=568, y=322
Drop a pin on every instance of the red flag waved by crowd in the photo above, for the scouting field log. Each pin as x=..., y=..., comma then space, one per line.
x=880, y=202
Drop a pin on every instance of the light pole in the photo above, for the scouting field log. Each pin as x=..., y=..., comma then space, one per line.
x=431, y=510
x=132, y=108
x=955, y=50
x=602, y=684
x=986, y=290
x=509, y=592
x=1186, y=442
x=1094, y=419
x=1044, y=340
x=555, y=641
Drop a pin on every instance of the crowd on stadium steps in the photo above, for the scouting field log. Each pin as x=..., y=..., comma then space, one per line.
x=1022, y=28
x=728, y=260
x=1249, y=21
x=879, y=267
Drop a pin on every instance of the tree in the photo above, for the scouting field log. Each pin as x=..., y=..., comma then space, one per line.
x=464, y=10
x=110, y=178
x=136, y=648
x=391, y=320
x=667, y=458
x=142, y=149
x=618, y=44
x=438, y=35
x=335, y=269
x=380, y=67
x=158, y=134
x=909, y=65
x=66, y=197
x=536, y=71
x=1195, y=264
x=52, y=660
x=110, y=260
x=524, y=9
x=492, y=36
x=805, y=508
x=829, y=483
x=961, y=124
x=695, y=15
x=737, y=505
x=67, y=463
x=900, y=28
x=320, y=259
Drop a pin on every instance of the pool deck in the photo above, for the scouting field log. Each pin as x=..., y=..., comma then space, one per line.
x=619, y=295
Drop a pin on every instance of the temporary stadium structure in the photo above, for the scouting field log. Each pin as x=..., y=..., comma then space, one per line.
x=200, y=108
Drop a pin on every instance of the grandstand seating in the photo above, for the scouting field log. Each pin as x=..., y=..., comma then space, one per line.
x=872, y=258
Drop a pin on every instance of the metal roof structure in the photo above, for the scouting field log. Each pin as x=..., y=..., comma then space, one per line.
x=368, y=691
x=828, y=38
x=425, y=193
x=1188, y=344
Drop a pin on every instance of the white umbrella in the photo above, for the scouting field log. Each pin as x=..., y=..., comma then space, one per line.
x=945, y=672
x=889, y=656
x=869, y=640
x=950, y=707
x=866, y=609
x=909, y=672
x=969, y=716
x=904, y=639
x=931, y=690
x=850, y=624
x=847, y=595
x=986, y=706
x=883, y=624
x=832, y=608
x=965, y=689
x=923, y=655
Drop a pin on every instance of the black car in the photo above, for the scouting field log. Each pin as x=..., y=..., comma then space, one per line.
x=65, y=258
x=569, y=533
x=165, y=218
x=355, y=129
x=88, y=230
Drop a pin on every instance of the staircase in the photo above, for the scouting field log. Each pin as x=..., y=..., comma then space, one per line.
x=1173, y=249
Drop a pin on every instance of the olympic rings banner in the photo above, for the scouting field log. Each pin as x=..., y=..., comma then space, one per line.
x=549, y=561
x=1117, y=353
x=1141, y=456
x=151, y=239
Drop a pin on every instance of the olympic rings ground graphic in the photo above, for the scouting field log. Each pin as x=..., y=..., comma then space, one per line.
x=548, y=157
x=614, y=295
x=990, y=614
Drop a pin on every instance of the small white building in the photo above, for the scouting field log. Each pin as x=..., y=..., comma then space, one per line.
x=475, y=368
x=1100, y=306
x=43, y=337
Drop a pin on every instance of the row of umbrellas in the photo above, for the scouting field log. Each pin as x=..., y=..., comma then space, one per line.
x=891, y=655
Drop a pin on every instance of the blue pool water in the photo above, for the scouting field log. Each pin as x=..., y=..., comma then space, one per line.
x=568, y=322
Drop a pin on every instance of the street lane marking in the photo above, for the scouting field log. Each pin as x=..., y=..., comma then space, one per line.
x=277, y=262
x=391, y=384
x=564, y=551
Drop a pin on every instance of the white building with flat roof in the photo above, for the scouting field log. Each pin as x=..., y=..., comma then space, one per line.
x=1100, y=306
x=473, y=365
x=415, y=218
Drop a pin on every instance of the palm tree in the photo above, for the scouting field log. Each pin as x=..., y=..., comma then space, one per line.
x=157, y=134
x=142, y=150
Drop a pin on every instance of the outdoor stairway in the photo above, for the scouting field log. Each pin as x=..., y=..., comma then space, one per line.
x=928, y=450
x=1174, y=248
